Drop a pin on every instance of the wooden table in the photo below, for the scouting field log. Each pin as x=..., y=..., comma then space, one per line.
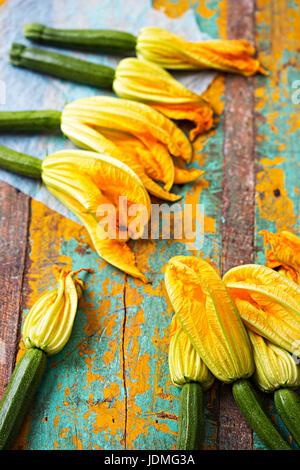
x=110, y=387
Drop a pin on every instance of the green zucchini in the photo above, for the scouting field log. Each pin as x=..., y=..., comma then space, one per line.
x=261, y=423
x=191, y=417
x=15, y=121
x=62, y=66
x=20, y=163
x=287, y=403
x=19, y=393
x=101, y=40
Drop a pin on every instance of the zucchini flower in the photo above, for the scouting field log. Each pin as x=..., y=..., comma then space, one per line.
x=284, y=253
x=171, y=51
x=134, y=133
x=275, y=367
x=47, y=329
x=279, y=372
x=155, y=45
x=213, y=325
x=209, y=317
x=49, y=322
x=104, y=194
x=188, y=371
x=141, y=137
x=185, y=364
x=268, y=303
x=133, y=79
x=148, y=83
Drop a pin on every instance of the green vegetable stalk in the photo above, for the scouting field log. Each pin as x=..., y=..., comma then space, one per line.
x=277, y=371
x=47, y=329
x=101, y=40
x=188, y=371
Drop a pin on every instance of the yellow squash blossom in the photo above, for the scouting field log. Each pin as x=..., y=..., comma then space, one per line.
x=185, y=364
x=47, y=328
x=95, y=187
x=134, y=127
x=268, y=303
x=143, y=135
x=213, y=325
x=171, y=51
x=275, y=367
x=284, y=253
x=209, y=317
x=130, y=151
x=49, y=322
x=148, y=83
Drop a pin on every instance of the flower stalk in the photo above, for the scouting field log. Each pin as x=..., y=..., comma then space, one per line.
x=156, y=45
x=133, y=133
x=188, y=371
x=278, y=371
x=213, y=325
x=133, y=79
x=46, y=331
x=90, y=185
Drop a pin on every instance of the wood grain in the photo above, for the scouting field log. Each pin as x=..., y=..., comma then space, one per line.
x=110, y=387
x=238, y=199
x=14, y=214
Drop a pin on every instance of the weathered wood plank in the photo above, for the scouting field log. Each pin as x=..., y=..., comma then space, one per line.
x=14, y=215
x=238, y=199
x=277, y=130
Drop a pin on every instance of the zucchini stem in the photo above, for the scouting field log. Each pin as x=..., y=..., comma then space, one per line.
x=62, y=66
x=20, y=163
x=19, y=393
x=287, y=403
x=247, y=400
x=15, y=121
x=99, y=40
x=191, y=417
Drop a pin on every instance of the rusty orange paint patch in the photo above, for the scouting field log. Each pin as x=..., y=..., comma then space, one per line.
x=272, y=198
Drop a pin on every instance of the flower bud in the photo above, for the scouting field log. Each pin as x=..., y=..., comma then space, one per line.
x=275, y=367
x=49, y=322
x=185, y=363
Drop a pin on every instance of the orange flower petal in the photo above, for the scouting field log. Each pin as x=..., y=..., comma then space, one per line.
x=186, y=175
x=174, y=52
x=199, y=113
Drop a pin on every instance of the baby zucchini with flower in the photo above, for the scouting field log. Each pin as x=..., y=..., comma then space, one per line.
x=279, y=372
x=104, y=193
x=131, y=132
x=268, y=302
x=188, y=371
x=133, y=79
x=46, y=331
x=156, y=45
x=211, y=321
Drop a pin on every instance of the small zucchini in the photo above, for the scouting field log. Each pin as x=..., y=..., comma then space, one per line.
x=287, y=403
x=261, y=423
x=62, y=66
x=19, y=393
x=98, y=40
x=191, y=417
x=16, y=121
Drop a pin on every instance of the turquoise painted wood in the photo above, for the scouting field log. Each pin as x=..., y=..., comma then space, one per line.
x=277, y=131
x=110, y=388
